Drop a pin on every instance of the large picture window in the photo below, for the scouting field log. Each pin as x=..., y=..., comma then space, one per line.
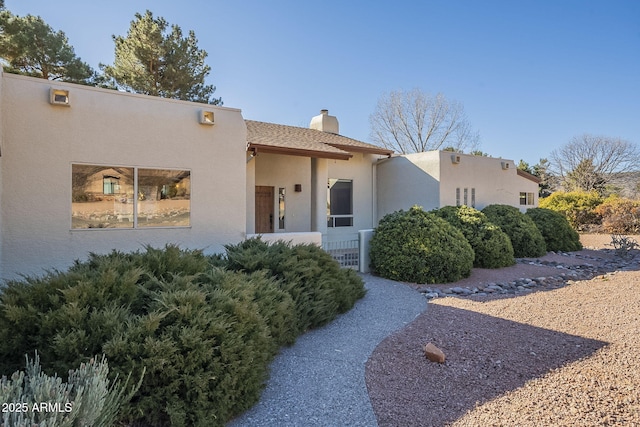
x=124, y=197
x=340, y=203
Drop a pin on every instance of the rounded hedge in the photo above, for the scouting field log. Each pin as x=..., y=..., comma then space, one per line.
x=417, y=246
x=525, y=237
x=492, y=246
x=556, y=230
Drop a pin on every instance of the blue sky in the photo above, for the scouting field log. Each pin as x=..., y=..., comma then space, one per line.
x=531, y=74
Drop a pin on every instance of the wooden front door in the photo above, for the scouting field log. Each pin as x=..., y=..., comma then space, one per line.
x=264, y=209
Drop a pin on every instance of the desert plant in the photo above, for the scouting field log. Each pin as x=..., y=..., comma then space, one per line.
x=623, y=245
x=556, y=230
x=88, y=398
x=417, y=246
x=525, y=237
x=619, y=215
x=577, y=206
x=491, y=246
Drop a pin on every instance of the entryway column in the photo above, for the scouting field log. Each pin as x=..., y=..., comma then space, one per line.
x=319, y=180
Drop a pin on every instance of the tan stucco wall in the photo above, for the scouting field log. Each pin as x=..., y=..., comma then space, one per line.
x=405, y=181
x=280, y=171
x=493, y=184
x=104, y=127
x=430, y=180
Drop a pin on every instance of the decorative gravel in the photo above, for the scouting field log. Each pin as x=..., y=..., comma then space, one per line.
x=564, y=351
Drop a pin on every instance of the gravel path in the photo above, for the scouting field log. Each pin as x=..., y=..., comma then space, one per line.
x=320, y=381
x=565, y=357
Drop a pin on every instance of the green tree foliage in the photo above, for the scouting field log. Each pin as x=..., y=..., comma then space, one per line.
x=417, y=246
x=556, y=230
x=156, y=59
x=577, y=206
x=492, y=247
x=31, y=47
x=540, y=170
x=525, y=237
x=585, y=177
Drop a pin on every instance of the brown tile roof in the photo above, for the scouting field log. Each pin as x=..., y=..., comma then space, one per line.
x=297, y=141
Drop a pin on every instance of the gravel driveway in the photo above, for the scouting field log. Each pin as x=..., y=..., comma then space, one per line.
x=561, y=357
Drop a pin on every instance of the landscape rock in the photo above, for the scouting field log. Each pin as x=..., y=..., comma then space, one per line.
x=433, y=353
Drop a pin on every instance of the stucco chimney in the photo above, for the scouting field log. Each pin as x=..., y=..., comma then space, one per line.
x=325, y=123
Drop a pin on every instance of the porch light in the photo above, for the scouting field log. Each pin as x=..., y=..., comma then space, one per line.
x=59, y=97
x=206, y=117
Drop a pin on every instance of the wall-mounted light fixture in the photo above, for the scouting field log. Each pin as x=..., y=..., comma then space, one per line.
x=206, y=117
x=505, y=166
x=298, y=188
x=59, y=97
x=455, y=159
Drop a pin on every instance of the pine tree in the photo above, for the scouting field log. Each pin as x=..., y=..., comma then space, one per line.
x=29, y=46
x=156, y=59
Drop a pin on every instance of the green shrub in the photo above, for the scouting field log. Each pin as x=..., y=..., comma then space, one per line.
x=319, y=287
x=491, y=246
x=204, y=334
x=556, y=230
x=525, y=237
x=619, y=215
x=577, y=206
x=417, y=246
x=89, y=398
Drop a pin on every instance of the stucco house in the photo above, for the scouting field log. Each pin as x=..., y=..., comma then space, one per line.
x=441, y=178
x=85, y=169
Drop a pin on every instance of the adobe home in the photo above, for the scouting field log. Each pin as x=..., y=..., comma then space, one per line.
x=85, y=169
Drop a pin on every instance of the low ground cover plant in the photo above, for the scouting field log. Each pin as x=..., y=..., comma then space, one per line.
x=491, y=246
x=525, y=237
x=204, y=328
x=418, y=246
x=31, y=398
x=556, y=230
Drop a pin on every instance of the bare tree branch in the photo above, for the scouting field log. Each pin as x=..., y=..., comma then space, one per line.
x=415, y=121
x=588, y=161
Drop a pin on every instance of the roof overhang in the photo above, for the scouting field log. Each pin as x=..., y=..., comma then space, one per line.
x=289, y=151
x=528, y=176
x=359, y=149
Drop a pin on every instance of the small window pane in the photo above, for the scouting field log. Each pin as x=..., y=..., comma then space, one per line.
x=101, y=197
x=523, y=198
x=164, y=198
x=281, y=207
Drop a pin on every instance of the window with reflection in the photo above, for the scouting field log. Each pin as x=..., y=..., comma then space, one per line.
x=101, y=197
x=164, y=198
x=125, y=197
